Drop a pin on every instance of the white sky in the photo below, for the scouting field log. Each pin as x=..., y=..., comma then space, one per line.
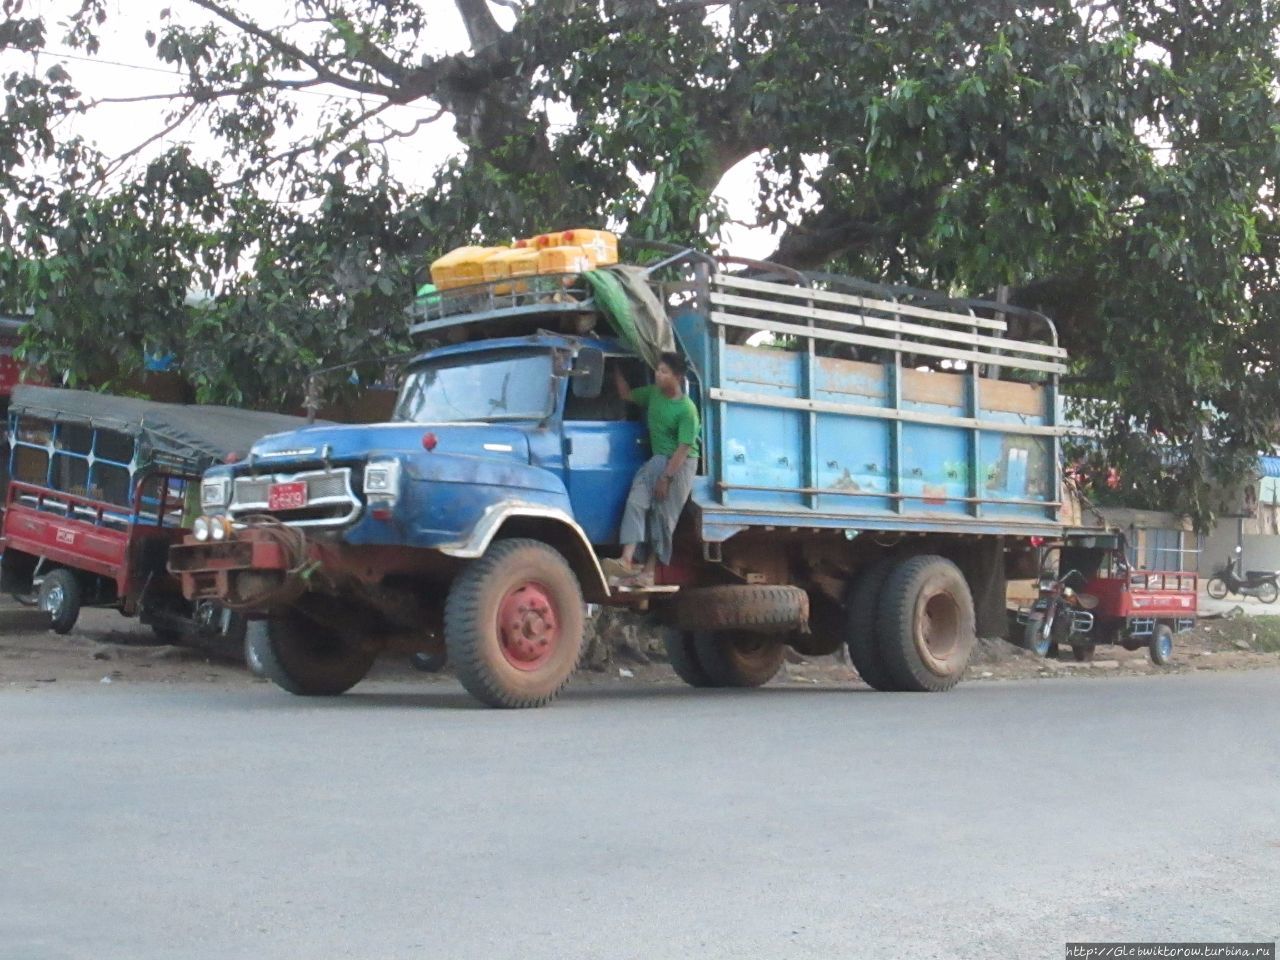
x=126, y=67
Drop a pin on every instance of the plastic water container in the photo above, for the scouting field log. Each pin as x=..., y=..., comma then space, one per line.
x=462, y=267
x=563, y=260
x=513, y=263
x=600, y=246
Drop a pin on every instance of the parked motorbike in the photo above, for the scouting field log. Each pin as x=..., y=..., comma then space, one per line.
x=1255, y=583
x=1061, y=615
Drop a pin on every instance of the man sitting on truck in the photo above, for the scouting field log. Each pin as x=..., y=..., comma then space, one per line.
x=661, y=487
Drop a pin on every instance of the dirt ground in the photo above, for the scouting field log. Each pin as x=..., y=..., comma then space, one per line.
x=108, y=648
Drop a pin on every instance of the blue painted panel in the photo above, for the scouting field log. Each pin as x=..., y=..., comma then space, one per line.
x=602, y=457
x=762, y=446
x=935, y=468
x=775, y=373
x=847, y=381
x=1016, y=467
x=854, y=454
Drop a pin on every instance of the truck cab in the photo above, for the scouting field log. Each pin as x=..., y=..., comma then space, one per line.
x=860, y=444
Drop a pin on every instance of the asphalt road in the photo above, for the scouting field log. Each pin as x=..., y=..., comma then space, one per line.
x=1000, y=820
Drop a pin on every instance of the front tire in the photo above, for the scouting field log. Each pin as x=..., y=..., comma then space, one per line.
x=513, y=624
x=1216, y=588
x=926, y=624
x=307, y=657
x=737, y=658
x=60, y=598
x=1267, y=592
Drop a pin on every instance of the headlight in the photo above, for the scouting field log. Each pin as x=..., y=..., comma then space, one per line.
x=219, y=528
x=200, y=529
x=213, y=493
x=382, y=477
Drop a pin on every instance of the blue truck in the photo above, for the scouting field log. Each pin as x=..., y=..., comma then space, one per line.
x=874, y=460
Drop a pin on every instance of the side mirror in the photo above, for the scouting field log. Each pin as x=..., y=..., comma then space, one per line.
x=588, y=373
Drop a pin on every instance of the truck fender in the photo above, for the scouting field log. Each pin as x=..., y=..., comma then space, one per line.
x=548, y=524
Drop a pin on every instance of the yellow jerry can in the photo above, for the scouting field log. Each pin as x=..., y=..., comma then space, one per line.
x=600, y=246
x=563, y=260
x=514, y=263
x=462, y=267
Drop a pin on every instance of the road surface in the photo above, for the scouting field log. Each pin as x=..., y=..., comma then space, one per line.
x=140, y=822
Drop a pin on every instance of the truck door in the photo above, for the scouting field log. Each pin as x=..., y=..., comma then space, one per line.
x=605, y=443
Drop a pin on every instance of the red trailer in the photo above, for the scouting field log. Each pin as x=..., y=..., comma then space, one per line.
x=1091, y=595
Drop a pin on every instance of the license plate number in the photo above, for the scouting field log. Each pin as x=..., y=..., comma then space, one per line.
x=287, y=496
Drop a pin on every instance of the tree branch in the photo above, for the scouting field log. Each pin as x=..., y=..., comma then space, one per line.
x=482, y=28
x=322, y=70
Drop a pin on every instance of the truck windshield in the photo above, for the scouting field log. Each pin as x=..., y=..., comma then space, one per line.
x=503, y=386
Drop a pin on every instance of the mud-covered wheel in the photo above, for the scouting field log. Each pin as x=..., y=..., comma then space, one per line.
x=1083, y=652
x=926, y=624
x=682, y=654
x=738, y=658
x=308, y=657
x=60, y=598
x=860, y=628
x=1160, y=647
x=1216, y=588
x=513, y=624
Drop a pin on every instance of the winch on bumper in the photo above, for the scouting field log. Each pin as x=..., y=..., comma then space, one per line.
x=255, y=567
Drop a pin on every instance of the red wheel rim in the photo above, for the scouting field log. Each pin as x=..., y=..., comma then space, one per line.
x=528, y=629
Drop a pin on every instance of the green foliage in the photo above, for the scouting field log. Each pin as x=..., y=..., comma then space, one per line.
x=1113, y=164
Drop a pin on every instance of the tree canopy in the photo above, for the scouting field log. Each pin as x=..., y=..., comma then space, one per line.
x=1113, y=164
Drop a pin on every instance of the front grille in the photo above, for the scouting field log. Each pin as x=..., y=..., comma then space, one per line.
x=330, y=499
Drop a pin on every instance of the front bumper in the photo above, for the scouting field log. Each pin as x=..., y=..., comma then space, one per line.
x=251, y=567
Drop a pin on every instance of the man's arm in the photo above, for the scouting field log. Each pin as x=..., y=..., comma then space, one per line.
x=674, y=463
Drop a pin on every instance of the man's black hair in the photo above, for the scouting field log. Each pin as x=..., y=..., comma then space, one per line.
x=675, y=363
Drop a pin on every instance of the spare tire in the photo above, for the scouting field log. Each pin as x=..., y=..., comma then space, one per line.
x=750, y=608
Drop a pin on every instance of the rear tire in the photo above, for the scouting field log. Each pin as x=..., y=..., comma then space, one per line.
x=1267, y=592
x=513, y=624
x=60, y=598
x=1160, y=648
x=926, y=624
x=861, y=628
x=738, y=659
x=1216, y=588
x=306, y=657
x=682, y=654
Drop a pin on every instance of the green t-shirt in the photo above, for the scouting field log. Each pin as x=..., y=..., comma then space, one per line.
x=671, y=421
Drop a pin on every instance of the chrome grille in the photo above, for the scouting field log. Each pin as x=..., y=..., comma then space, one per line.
x=330, y=499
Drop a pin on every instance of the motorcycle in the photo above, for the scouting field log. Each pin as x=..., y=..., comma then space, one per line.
x=1255, y=583
x=1059, y=614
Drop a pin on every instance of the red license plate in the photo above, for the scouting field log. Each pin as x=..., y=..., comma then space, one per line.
x=287, y=496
